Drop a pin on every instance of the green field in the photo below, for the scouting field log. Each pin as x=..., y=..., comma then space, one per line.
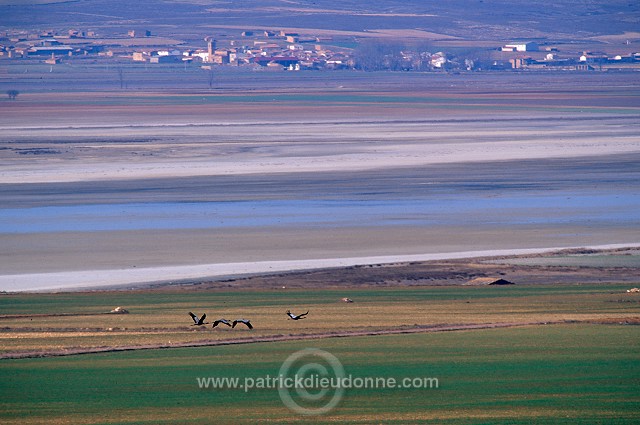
x=43, y=323
x=584, y=372
x=552, y=374
x=327, y=99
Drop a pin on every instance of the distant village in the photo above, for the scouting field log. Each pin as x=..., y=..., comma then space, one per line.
x=289, y=51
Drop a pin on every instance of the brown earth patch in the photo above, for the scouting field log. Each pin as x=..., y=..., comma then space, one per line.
x=425, y=273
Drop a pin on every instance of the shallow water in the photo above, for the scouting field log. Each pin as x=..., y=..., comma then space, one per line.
x=144, y=224
x=619, y=209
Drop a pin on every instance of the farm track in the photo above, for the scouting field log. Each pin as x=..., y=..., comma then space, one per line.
x=302, y=337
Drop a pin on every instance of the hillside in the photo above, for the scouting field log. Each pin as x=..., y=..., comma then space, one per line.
x=471, y=20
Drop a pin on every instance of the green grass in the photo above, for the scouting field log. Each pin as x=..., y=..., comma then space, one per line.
x=160, y=318
x=342, y=99
x=554, y=374
x=159, y=301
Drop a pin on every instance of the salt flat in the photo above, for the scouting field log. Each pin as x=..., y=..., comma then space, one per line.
x=136, y=277
x=158, y=151
x=148, y=187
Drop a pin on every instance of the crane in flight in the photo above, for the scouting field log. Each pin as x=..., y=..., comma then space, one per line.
x=244, y=321
x=296, y=317
x=196, y=321
x=223, y=321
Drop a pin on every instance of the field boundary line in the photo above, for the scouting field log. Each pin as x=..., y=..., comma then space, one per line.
x=281, y=338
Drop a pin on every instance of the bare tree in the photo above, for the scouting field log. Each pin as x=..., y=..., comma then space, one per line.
x=121, y=77
x=12, y=94
x=369, y=55
x=377, y=55
x=211, y=77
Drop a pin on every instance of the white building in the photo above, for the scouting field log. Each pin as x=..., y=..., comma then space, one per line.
x=438, y=60
x=520, y=47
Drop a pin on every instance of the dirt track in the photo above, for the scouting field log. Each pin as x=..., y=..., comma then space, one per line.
x=294, y=337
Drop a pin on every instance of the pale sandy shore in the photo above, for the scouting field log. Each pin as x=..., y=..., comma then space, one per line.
x=102, y=279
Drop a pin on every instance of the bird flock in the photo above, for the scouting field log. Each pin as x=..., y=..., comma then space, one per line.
x=200, y=321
